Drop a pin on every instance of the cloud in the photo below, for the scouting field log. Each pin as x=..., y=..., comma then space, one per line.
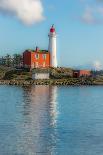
x=97, y=65
x=92, y=11
x=92, y=15
x=27, y=11
x=87, y=16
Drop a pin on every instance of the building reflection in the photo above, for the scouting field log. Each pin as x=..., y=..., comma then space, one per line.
x=53, y=105
x=39, y=120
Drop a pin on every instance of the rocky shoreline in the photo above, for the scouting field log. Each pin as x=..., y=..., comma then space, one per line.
x=58, y=76
x=64, y=82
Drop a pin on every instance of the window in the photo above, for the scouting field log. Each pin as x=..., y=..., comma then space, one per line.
x=44, y=56
x=37, y=56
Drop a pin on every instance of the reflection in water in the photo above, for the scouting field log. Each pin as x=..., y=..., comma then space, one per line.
x=47, y=120
x=36, y=131
x=53, y=105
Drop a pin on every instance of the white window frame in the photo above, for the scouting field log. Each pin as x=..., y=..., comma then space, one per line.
x=44, y=56
x=37, y=56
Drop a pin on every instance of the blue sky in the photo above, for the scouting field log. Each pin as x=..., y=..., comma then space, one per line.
x=79, y=25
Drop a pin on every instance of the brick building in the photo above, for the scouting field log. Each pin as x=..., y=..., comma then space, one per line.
x=80, y=73
x=36, y=59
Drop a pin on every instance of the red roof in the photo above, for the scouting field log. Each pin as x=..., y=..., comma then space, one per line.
x=52, y=29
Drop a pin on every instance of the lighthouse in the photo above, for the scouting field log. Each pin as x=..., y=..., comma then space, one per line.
x=52, y=47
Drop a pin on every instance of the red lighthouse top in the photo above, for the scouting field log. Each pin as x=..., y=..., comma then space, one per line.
x=52, y=29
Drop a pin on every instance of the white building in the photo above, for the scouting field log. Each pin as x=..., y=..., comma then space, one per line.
x=52, y=47
x=40, y=76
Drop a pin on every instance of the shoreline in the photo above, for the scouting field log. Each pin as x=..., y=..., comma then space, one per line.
x=58, y=82
x=58, y=76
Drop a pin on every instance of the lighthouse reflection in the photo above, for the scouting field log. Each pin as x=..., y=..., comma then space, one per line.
x=39, y=118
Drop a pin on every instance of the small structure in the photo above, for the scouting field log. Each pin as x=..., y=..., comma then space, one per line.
x=40, y=74
x=81, y=73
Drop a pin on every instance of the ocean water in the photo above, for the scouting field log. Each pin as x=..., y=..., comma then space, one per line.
x=51, y=120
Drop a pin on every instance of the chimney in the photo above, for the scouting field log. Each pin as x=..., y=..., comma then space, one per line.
x=37, y=49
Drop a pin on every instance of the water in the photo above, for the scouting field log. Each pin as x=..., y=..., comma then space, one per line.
x=50, y=120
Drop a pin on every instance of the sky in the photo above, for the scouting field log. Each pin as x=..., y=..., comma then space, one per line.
x=25, y=24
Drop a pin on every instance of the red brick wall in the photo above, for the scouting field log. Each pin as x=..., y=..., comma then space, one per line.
x=41, y=61
x=85, y=73
x=29, y=59
x=78, y=73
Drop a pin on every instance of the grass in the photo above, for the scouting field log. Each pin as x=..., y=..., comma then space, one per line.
x=58, y=76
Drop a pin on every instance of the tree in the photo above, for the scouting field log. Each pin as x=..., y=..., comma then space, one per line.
x=17, y=60
x=8, y=60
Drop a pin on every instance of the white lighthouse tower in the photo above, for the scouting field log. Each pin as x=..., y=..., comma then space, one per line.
x=52, y=47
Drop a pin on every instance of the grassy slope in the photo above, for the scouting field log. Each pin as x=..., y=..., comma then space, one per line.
x=56, y=73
